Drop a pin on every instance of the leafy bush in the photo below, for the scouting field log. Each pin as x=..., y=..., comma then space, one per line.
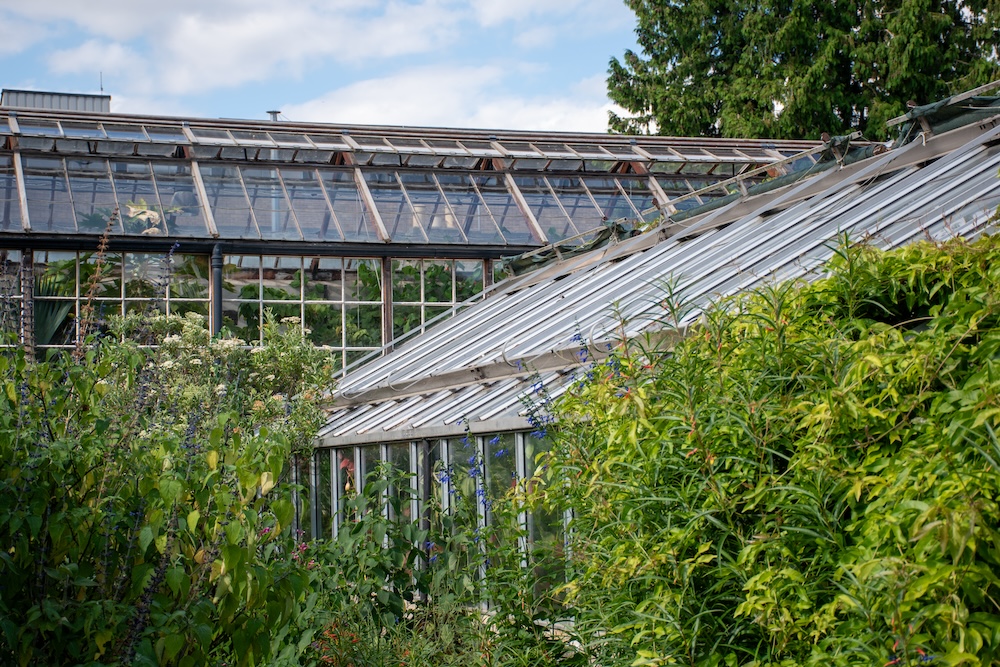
x=142, y=520
x=809, y=478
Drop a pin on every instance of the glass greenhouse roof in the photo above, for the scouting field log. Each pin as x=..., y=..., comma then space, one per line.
x=63, y=173
x=537, y=333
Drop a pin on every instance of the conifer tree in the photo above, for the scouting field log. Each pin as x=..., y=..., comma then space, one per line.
x=797, y=68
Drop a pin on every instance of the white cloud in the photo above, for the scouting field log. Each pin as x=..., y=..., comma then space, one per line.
x=17, y=35
x=472, y=97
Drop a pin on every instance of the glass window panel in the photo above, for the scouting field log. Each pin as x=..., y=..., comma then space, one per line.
x=481, y=148
x=698, y=168
x=363, y=280
x=92, y=194
x=324, y=322
x=363, y=326
x=460, y=162
x=161, y=133
x=501, y=467
x=145, y=275
x=430, y=312
x=613, y=204
x=251, y=138
x=439, y=281
x=432, y=210
x=131, y=133
x=545, y=208
x=329, y=142
x=405, y=319
x=309, y=203
x=109, y=284
x=229, y=202
x=674, y=186
x=348, y=206
x=465, y=476
x=303, y=467
x=189, y=277
x=406, y=281
x=10, y=207
x=503, y=206
x=347, y=482
x=138, y=202
x=396, y=213
x=286, y=139
x=370, y=459
x=324, y=279
x=422, y=160
x=553, y=150
x=578, y=204
x=324, y=493
x=207, y=136
x=274, y=215
x=530, y=164
x=50, y=208
x=400, y=494
x=183, y=212
x=10, y=296
x=472, y=214
x=38, y=128
x=242, y=318
x=182, y=308
x=431, y=480
x=468, y=279
x=55, y=293
x=83, y=130
x=546, y=528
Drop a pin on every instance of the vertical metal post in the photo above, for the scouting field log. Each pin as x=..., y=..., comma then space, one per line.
x=216, y=290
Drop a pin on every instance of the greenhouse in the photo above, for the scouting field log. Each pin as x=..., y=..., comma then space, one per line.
x=364, y=233
x=468, y=400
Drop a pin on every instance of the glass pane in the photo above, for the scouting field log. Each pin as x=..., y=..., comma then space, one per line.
x=229, y=203
x=406, y=281
x=431, y=209
x=182, y=210
x=10, y=207
x=348, y=206
x=324, y=324
x=303, y=466
x=139, y=204
x=431, y=480
x=189, y=277
x=369, y=463
x=545, y=208
x=182, y=308
x=502, y=205
x=145, y=275
x=282, y=278
x=92, y=194
x=363, y=280
x=405, y=319
x=546, y=532
x=392, y=206
x=438, y=281
x=10, y=296
x=324, y=279
x=274, y=215
x=109, y=283
x=49, y=206
x=465, y=473
x=363, y=326
x=472, y=214
x=309, y=203
x=501, y=467
x=242, y=318
x=55, y=297
x=347, y=484
x=400, y=494
x=468, y=279
x=324, y=493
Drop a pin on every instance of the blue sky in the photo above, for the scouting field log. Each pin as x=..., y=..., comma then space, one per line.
x=505, y=64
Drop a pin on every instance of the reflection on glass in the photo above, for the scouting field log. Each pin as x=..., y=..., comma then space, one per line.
x=181, y=209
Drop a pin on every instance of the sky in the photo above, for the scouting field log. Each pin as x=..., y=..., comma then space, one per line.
x=492, y=64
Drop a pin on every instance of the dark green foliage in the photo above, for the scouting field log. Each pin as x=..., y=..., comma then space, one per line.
x=141, y=522
x=793, y=69
x=809, y=478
